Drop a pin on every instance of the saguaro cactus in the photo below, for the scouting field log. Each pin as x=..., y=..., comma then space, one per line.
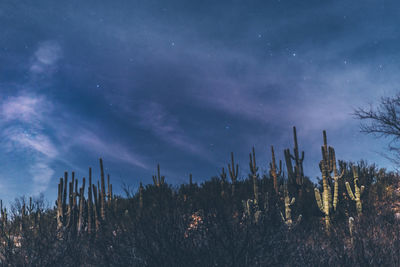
x=327, y=165
x=253, y=171
x=65, y=192
x=95, y=209
x=102, y=192
x=90, y=204
x=81, y=205
x=295, y=174
x=287, y=219
x=140, y=196
x=274, y=171
x=60, y=204
x=109, y=192
x=357, y=191
x=329, y=162
x=158, y=180
x=233, y=172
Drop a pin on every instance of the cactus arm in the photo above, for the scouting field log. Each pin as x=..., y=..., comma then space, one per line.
x=318, y=199
x=282, y=217
x=349, y=191
x=292, y=201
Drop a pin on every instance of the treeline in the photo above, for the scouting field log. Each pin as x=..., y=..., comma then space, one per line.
x=347, y=218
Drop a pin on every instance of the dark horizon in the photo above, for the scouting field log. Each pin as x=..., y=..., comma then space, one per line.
x=184, y=84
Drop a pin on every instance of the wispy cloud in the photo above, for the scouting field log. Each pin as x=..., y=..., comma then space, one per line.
x=27, y=108
x=24, y=139
x=23, y=122
x=89, y=139
x=155, y=118
x=46, y=57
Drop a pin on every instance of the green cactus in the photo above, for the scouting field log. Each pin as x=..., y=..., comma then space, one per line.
x=296, y=174
x=140, y=197
x=287, y=219
x=327, y=166
x=358, y=190
x=158, y=180
x=233, y=172
x=81, y=205
x=102, y=190
x=90, y=204
x=60, y=204
x=273, y=171
x=253, y=170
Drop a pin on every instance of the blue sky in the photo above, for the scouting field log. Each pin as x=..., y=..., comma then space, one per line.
x=184, y=83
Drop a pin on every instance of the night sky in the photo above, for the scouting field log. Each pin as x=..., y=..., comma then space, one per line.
x=184, y=83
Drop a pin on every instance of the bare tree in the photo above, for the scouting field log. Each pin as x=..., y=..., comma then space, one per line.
x=383, y=121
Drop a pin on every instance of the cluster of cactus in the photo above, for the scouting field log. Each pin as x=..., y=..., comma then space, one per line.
x=73, y=213
x=76, y=212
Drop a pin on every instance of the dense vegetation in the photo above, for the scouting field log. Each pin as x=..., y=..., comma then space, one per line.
x=261, y=220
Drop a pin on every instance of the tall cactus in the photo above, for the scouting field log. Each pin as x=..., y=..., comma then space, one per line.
x=253, y=171
x=158, y=180
x=60, y=204
x=90, y=204
x=102, y=192
x=95, y=209
x=295, y=174
x=274, y=171
x=233, y=172
x=81, y=205
x=327, y=166
x=140, y=197
x=64, y=202
x=358, y=190
x=287, y=219
x=109, y=192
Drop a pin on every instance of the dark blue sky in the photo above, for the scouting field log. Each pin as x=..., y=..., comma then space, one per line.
x=183, y=83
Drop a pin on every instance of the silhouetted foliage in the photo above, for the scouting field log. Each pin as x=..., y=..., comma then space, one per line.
x=209, y=224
